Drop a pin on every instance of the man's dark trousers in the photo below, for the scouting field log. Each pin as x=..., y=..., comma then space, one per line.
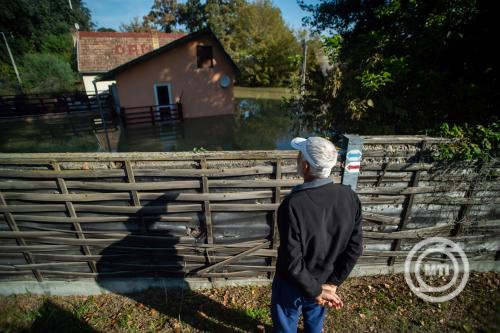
x=287, y=302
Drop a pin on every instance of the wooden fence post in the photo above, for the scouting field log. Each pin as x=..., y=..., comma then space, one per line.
x=274, y=229
x=405, y=216
x=466, y=207
x=70, y=210
x=20, y=241
x=207, y=214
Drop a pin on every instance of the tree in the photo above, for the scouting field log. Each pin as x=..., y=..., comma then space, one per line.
x=30, y=21
x=135, y=26
x=45, y=72
x=404, y=66
x=39, y=26
x=104, y=29
x=265, y=58
x=163, y=15
x=192, y=15
x=254, y=34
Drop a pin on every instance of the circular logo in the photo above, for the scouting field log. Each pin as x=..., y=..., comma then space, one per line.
x=436, y=268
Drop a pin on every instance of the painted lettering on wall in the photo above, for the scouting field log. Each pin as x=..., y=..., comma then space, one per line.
x=132, y=49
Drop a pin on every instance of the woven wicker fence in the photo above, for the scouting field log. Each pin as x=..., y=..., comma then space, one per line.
x=213, y=215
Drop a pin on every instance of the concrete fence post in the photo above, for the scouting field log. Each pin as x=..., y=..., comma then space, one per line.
x=352, y=146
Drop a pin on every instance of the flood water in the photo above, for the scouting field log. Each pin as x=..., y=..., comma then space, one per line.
x=259, y=122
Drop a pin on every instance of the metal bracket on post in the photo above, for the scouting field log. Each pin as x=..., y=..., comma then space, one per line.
x=353, y=147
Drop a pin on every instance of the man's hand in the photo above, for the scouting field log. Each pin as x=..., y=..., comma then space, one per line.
x=329, y=297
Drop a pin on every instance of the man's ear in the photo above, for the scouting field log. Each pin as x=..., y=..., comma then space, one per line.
x=305, y=166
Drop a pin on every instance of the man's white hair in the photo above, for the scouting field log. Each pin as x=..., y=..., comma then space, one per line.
x=324, y=153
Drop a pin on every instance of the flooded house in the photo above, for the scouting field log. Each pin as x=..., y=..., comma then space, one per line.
x=99, y=52
x=192, y=76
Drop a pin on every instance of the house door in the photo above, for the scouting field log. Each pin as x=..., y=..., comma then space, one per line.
x=163, y=96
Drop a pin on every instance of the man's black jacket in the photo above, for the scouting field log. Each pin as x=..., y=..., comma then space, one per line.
x=320, y=235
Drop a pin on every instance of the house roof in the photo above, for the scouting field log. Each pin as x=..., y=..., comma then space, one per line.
x=110, y=75
x=98, y=52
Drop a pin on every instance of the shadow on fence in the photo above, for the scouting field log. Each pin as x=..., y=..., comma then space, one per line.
x=165, y=258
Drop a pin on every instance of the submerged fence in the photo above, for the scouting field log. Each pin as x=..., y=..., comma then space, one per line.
x=56, y=104
x=213, y=214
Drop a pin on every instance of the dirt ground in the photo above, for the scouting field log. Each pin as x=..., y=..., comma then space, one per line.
x=372, y=304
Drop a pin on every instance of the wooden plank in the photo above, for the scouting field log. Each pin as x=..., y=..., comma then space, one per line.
x=405, y=216
x=402, y=139
x=469, y=196
x=256, y=183
x=234, y=258
x=20, y=241
x=142, y=186
x=174, y=248
x=172, y=196
x=118, y=173
x=102, y=241
x=100, y=219
x=207, y=215
x=129, y=172
x=409, y=234
x=274, y=229
x=9, y=173
x=29, y=248
x=13, y=158
x=406, y=167
x=385, y=197
x=379, y=218
x=399, y=190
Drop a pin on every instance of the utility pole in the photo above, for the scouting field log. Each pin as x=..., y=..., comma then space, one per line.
x=304, y=68
x=12, y=59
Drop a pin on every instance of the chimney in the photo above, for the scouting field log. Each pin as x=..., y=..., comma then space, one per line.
x=154, y=39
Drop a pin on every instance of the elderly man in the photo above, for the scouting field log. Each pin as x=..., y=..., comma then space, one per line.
x=319, y=224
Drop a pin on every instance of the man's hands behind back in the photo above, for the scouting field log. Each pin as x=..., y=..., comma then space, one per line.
x=329, y=297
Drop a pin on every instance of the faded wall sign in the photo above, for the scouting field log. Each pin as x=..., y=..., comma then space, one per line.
x=132, y=49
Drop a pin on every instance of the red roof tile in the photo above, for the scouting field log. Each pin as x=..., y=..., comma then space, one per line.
x=99, y=52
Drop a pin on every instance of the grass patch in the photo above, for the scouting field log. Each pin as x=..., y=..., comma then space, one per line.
x=372, y=304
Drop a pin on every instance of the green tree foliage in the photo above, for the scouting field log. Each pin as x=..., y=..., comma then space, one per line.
x=45, y=72
x=163, y=15
x=31, y=21
x=253, y=33
x=266, y=59
x=105, y=29
x=403, y=66
x=135, y=25
x=470, y=142
x=38, y=26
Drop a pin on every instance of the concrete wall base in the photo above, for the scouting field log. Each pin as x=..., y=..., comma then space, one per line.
x=125, y=286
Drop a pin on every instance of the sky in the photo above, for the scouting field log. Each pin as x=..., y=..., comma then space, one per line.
x=111, y=13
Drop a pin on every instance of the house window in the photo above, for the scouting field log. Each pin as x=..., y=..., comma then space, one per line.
x=205, y=56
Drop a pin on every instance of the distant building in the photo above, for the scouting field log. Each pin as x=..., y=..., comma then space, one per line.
x=98, y=52
x=193, y=71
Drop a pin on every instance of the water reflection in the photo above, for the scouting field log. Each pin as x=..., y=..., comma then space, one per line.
x=257, y=124
x=37, y=135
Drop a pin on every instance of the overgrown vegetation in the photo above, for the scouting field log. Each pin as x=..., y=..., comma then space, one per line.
x=38, y=33
x=397, y=67
x=470, y=142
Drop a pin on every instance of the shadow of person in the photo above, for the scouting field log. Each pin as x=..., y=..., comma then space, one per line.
x=153, y=258
x=52, y=318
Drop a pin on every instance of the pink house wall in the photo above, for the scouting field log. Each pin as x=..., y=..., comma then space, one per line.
x=201, y=92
